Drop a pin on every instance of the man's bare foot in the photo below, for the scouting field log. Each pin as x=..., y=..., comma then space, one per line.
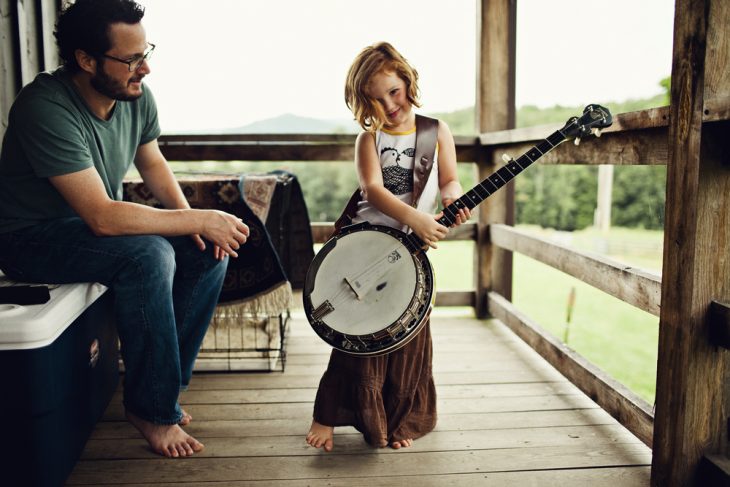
x=321, y=436
x=396, y=445
x=186, y=418
x=166, y=439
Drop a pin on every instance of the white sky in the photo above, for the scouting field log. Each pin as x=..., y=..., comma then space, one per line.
x=227, y=63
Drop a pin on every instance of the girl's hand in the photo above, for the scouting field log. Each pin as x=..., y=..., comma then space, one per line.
x=461, y=217
x=428, y=229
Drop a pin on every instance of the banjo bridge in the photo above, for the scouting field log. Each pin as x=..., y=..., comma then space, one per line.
x=322, y=310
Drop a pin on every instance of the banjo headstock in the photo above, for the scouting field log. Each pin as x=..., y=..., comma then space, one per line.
x=594, y=119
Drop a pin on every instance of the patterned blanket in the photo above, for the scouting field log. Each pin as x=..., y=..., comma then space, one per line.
x=256, y=282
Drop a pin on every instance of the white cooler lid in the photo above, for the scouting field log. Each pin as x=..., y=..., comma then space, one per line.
x=38, y=325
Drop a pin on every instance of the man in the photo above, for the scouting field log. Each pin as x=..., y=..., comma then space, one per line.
x=71, y=137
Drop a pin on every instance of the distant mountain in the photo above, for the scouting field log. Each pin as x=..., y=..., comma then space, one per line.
x=294, y=124
x=461, y=121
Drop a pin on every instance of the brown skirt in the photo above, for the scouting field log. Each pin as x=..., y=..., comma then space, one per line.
x=387, y=398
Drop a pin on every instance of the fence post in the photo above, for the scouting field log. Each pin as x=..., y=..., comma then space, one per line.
x=495, y=110
x=690, y=422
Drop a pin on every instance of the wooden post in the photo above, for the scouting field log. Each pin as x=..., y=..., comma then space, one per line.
x=26, y=46
x=602, y=220
x=9, y=66
x=690, y=421
x=495, y=110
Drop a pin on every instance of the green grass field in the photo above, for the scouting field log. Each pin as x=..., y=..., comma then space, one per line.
x=620, y=339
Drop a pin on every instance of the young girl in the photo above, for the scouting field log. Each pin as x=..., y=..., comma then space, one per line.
x=390, y=398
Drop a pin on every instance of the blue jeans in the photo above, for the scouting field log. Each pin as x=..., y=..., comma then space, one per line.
x=165, y=293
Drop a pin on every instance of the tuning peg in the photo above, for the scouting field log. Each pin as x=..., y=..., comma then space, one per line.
x=597, y=132
x=577, y=141
x=506, y=157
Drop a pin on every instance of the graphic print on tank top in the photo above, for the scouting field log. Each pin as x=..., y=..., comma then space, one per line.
x=396, y=178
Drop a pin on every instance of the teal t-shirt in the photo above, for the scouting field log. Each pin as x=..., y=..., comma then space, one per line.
x=52, y=132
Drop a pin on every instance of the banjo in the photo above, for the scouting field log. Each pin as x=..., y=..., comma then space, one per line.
x=370, y=289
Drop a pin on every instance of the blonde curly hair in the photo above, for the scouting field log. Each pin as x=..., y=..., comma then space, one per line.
x=378, y=58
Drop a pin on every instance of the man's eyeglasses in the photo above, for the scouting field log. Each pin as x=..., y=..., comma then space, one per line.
x=136, y=62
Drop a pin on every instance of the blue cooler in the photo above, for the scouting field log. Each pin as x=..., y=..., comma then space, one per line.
x=58, y=370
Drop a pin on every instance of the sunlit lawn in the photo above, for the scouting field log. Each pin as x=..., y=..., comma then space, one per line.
x=617, y=337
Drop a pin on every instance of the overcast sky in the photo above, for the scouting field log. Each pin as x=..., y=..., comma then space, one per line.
x=227, y=63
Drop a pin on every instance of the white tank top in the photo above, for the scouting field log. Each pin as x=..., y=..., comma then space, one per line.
x=397, y=151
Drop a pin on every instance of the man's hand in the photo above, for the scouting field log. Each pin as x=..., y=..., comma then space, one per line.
x=226, y=231
x=218, y=253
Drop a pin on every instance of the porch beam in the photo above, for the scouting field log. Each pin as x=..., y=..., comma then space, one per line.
x=495, y=110
x=691, y=418
x=633, y=286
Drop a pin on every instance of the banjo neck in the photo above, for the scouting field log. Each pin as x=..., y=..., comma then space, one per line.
x=490, y=185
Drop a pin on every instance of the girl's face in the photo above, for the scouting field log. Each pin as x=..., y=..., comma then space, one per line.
x=388, y=89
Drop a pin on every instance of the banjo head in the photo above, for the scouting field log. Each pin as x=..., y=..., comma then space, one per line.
x=368, y=292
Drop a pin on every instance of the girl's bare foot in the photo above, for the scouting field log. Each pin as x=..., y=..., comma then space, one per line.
x=166, y=439
x=320, y=436
x=186, y=418
x=401, y=444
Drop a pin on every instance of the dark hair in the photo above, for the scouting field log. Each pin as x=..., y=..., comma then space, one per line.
x=85, y=25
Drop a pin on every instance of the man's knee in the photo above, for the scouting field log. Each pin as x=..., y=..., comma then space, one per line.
x=154, y=256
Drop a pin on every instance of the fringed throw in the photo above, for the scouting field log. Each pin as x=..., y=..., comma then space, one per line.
x=255, y=282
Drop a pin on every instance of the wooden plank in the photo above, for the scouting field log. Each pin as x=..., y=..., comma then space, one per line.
x=634, y=138
x=628, y=408
x=26, y=41
x=641, y=121
x=250, y=419
x=648, y=146
x=108, y=430
x=691, y=420
x=247, y=445
x=303, y=376
x=233, y=151
x=456, y=298
x=300, y=138
x=447, y=391
x=337, y=466
x=10, y=82
x=631, y=285
x=48, y=11
x=288, y=410
x=622, y=122
x=275, y=147
x=603, y=477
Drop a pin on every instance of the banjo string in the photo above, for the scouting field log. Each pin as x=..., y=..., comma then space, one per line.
x=342, y=295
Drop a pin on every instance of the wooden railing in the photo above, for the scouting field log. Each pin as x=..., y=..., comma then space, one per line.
x=688, y=432
x=635, y=138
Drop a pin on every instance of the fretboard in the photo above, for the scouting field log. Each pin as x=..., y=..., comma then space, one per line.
x=493, y=182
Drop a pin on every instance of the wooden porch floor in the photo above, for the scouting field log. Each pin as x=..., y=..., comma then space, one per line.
x=506, y=418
